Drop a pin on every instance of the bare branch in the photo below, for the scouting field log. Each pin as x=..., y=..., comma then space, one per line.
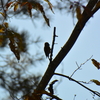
x=53, y=42
x=80, y=65
x=95, y=92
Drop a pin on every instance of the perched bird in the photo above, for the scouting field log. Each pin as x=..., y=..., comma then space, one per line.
x=47, y=49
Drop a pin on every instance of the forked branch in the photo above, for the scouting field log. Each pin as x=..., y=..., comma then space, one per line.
x=68, y=45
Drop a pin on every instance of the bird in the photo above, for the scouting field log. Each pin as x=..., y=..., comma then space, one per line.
x=47, y=49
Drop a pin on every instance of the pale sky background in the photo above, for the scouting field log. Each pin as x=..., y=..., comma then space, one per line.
x=88, y=44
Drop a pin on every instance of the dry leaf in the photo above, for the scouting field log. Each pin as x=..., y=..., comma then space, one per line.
x=15, y=6
x=2, y=30
x=96, y=82
x=30, y=9
x=50, y=5
x=96, y=64
x=2, y=14
x=8, y=5
x=6, y=24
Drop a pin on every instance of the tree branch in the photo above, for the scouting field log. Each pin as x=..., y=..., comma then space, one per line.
x=80, y=66
x=53, y=42
x=95, y=92
x=67, y=47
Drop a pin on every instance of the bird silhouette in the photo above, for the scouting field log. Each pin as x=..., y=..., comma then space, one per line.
x=47, y=49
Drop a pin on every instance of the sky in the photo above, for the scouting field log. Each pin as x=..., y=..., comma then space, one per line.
x=87, y=45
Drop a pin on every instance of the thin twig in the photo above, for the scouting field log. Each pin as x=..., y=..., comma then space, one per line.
x=74, y=97
x=95, y=92
x=85, y=82
x=2, y=4
x=53, y=42
x=80, y=65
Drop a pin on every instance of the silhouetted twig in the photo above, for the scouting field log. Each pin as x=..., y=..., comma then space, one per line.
x=95, y=92
x=80, y=66
x=53, y=42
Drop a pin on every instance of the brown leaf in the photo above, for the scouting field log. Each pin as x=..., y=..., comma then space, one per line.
x=50, y=5
x=1, y=40
x=6, y=24
x=2, y=14
x=96, y=82
x=96, y=64
x=16, y=6
x=39, y=7
x=14, y=48
x=29, y=9
x=46, y=19
x=24, y=3
x=2, y=30
x=8, y=4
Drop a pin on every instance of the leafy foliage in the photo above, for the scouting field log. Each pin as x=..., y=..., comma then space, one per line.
x=14, y=76
x=16, y=41
x=29, y=6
